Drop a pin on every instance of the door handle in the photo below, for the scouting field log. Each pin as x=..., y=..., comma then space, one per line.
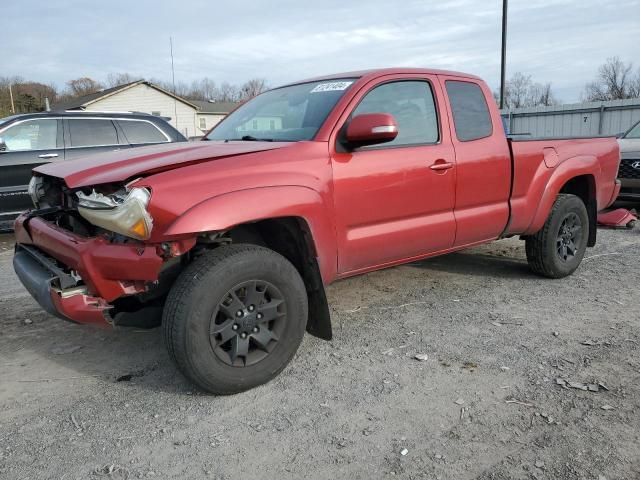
x=48, y=155
x=441, y=165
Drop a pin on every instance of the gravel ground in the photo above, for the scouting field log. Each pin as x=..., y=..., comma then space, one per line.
x=485, y=404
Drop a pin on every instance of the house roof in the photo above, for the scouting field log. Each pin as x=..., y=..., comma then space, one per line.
x=222, y=108
x=80, y=103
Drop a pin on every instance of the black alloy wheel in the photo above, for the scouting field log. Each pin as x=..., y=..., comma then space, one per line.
x=247, y=323
x=235, y=317
x=569, y=237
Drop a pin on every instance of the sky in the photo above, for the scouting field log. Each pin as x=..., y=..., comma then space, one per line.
x=557, y=41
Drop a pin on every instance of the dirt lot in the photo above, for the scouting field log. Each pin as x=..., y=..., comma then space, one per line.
x=484, y=405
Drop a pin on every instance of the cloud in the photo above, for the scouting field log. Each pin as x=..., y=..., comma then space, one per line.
x=559, y=41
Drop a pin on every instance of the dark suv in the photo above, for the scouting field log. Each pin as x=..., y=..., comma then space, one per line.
x=29, y=140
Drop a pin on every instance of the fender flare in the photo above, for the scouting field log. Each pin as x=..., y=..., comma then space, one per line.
x=228, y=210
x=580, y=165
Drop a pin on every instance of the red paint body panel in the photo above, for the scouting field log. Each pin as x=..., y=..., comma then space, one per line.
x=535, y=185
x=121, y=165
x=109, y=270
x=483, y=178
x=365, y=209
x=618, y=218
x=81, y=308
x=389, y=204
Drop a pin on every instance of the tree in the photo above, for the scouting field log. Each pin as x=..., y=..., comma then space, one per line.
x=614, y=81
x=83, y=86
x=521, y=91
x=116, y=79
x=228, y=93
x=252, y=87
x=27, y=96
x=203, y=89
x=542, y=95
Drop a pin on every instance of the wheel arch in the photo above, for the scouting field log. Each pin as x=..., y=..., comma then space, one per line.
x=290, y=220
x=584, y=187
x=291, y=237
x=577, y=176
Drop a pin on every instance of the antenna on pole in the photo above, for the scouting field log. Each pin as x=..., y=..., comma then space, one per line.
x=503, y=57
x=173, y=81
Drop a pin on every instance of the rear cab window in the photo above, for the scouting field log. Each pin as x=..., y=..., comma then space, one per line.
x=471, y=117
x=92, y=132
x=139, y=131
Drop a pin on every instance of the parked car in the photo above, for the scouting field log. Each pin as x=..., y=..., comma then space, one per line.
x=232, y=239
x=629, y=173
x=29, y=140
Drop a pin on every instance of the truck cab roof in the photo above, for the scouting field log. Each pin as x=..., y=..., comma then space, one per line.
x=379, y=72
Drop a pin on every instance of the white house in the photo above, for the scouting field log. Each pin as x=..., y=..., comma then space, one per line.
x=210, y=113
x=142, y=96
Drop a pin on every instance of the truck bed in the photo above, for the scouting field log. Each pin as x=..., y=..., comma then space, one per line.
x=537, y=162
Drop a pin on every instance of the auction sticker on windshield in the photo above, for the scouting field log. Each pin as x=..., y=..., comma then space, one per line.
x=330, y=87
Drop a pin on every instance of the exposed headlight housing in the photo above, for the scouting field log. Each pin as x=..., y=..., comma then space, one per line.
x=123, y=212
x=36, y=190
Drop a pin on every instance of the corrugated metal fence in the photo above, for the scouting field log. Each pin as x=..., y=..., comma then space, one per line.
x=593, y=118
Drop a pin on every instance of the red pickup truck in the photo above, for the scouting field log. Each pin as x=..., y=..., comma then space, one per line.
x=231, y=240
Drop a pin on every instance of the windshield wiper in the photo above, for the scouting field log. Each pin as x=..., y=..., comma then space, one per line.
x=249, y=138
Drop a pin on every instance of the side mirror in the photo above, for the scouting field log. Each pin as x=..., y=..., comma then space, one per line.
x=371, y=129
x=3, y=146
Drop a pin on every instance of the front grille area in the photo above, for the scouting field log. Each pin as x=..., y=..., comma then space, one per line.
x=626, y=169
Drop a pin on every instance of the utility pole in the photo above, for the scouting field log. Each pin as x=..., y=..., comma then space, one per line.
x=173, y=81
x=503, y=59
x=13, y=107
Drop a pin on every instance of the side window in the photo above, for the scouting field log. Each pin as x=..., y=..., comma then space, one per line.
x=92, y=132
x=203, y=123
x=471, y=116
x=141, y=132
x=31, y=135
x=412, y=105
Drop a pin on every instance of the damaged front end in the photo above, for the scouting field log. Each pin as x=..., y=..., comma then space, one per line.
x=82, y=255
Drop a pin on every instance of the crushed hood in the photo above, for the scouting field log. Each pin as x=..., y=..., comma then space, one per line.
x=121, y=165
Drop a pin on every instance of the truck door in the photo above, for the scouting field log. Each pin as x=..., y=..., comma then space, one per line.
x=25, y=145
x=395, y=200
x=483, y=162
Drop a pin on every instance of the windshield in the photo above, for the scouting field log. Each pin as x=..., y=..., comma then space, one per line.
x=6, y=119
x=634, y=132
x=286, y=114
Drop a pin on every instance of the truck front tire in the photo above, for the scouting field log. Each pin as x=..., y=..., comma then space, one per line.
x=558, y=248
x=235, y=317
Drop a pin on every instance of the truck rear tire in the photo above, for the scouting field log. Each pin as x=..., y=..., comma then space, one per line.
x=557, y=249
x=235, y=317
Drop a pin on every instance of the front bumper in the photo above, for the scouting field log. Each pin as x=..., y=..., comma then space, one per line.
x=40, y=275
x=75, y=277
x=630, y=189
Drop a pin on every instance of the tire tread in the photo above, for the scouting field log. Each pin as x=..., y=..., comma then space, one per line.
x=537, y=256
x=177, y=305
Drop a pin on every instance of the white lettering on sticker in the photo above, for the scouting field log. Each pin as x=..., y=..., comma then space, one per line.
x=330, y=87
